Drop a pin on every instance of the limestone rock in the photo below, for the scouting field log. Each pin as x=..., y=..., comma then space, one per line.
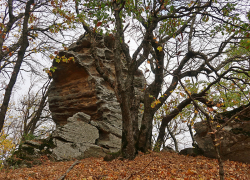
x=168, y=149
x=29, y=153
x=83, y=105
x=77, y=139
x=235, y=144
x=77, y=131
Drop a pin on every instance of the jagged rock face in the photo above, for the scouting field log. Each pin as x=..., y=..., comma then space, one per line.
x=77, y=139
x=235, y=144
x=79, y=91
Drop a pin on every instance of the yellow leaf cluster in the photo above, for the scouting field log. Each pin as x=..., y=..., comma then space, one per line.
x=159, y=48
x=6, y=145
x=155, y=103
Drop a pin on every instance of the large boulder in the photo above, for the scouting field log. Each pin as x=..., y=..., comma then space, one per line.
x=83, y=105
x=77, y=139
x=234, y=138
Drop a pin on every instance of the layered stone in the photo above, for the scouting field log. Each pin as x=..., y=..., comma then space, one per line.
x=78, y=91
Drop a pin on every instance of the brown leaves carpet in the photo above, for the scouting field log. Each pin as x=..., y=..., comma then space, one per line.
x=163, y=165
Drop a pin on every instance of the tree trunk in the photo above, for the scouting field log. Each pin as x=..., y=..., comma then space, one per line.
x=166, y=120
x=21, y=53
x=174, y=139
x=128, y=148
x=145, y=134
x=35, y=119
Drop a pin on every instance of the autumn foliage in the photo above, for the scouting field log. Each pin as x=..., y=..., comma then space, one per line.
x=6, y=146
x=163, y=165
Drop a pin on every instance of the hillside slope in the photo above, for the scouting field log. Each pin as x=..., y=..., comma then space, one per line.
x=150, y=166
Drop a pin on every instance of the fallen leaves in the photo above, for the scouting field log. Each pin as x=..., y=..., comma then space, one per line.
x=163, y=165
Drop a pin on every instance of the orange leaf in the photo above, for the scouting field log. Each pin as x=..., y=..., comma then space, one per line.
x=98, y=24
x=191, y=172
x=210, y=109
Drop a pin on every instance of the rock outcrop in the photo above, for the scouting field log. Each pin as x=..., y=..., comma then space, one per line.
x=168, y=149
x=31, y=152
x=83, y=105
x=235, y=144
x=191, y=152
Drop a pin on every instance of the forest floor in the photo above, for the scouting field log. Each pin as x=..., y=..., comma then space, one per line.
x=163, y=165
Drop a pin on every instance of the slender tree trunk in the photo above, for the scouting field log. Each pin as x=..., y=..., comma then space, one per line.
x=160, y=138
x=166, y=120
x=174, y=139
x=191, y=133
x=32, y=124
x=129, y=130
x=20, y=56
x=171, y=115
x=145, y=134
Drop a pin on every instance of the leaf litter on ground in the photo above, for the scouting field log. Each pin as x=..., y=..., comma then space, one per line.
x=153, y=166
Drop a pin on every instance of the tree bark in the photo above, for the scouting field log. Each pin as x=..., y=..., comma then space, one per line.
x=145, y=134
x=128, y=102
x=128, y=148
x=21, y=53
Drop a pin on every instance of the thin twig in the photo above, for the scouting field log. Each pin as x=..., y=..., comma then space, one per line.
x=71, y=167
x=212, y=132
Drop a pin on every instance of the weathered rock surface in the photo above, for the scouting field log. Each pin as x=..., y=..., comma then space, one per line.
x=78, y=138
x=83, y=105
x=235, y=144
x=30, y=152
